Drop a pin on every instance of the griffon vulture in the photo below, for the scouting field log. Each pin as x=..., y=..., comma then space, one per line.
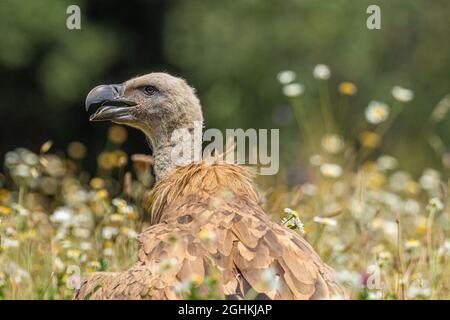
x=194, y=200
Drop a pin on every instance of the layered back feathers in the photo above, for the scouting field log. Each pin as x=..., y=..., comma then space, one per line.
x=209, y=178
x=207, y=221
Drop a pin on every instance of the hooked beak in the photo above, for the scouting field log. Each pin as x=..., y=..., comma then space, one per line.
x=107, y=102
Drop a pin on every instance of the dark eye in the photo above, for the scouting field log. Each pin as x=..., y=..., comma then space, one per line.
x=150, y=90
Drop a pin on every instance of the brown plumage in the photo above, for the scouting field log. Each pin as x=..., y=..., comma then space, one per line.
x=207, y=220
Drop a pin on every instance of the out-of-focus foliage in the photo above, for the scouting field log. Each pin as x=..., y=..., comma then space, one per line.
x=229, y=50
x=58, y=222
x=363, y=117
x=232, y=49
x=65, y=61
x=47, y=69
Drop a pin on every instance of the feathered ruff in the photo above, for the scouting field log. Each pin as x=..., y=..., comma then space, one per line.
x=207, y=220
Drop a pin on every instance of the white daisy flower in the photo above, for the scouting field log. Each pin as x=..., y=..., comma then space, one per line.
x=316, y=160
x=108, y=252
x=62, y=215
x=291, y=212
x=325, y=221
x=59, y=264
x=444, y=249
x=321, y=72
x=350, y=278
x=402, y=94
x=377, y=112
x=386, y=162
x=167, y=264
x=132, y=234
x=419, y=289
x=412, y=243
x=435, y=204
x=398, y=180
x=286, y=76
x=9, y=243
x=332, y=143
x=375, y=295
x=269, y=279
x=293, y=89
x=331, y=170
x=109, y=232
x=430, y=179
x=309, y=189
x=85, y=246
x=412, y=206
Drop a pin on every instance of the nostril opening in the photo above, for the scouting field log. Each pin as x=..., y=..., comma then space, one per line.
x=116, y=90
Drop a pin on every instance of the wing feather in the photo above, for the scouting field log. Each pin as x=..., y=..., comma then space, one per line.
x=245, y=245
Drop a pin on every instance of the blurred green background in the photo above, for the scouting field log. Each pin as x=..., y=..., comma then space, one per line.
x=231, y=52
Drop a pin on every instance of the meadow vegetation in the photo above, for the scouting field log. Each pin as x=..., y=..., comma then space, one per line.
x=385, y=230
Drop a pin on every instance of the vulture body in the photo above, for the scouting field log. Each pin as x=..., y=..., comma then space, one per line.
x=206, y=221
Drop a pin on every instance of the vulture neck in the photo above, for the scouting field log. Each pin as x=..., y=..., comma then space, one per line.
x=167, y=155
x=163, y=162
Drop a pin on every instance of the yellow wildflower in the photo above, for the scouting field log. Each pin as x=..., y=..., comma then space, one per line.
x=421, y=225
x=117, y=134
x=116, y=217
x=76, y=150
x=196, y=279
x=5, y=196
x=369, y=139
x=73, y=253
x=97, y=183
x=376, y=180
x=106, y=160
x=412, y=187
x=5, y=210
x=46, y=146
x=348, y=88
x=412, y=243
x=207, y=235
x=101, y=194
x=108, y=244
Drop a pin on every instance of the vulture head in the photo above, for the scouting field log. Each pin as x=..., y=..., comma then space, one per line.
x=156, y=103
